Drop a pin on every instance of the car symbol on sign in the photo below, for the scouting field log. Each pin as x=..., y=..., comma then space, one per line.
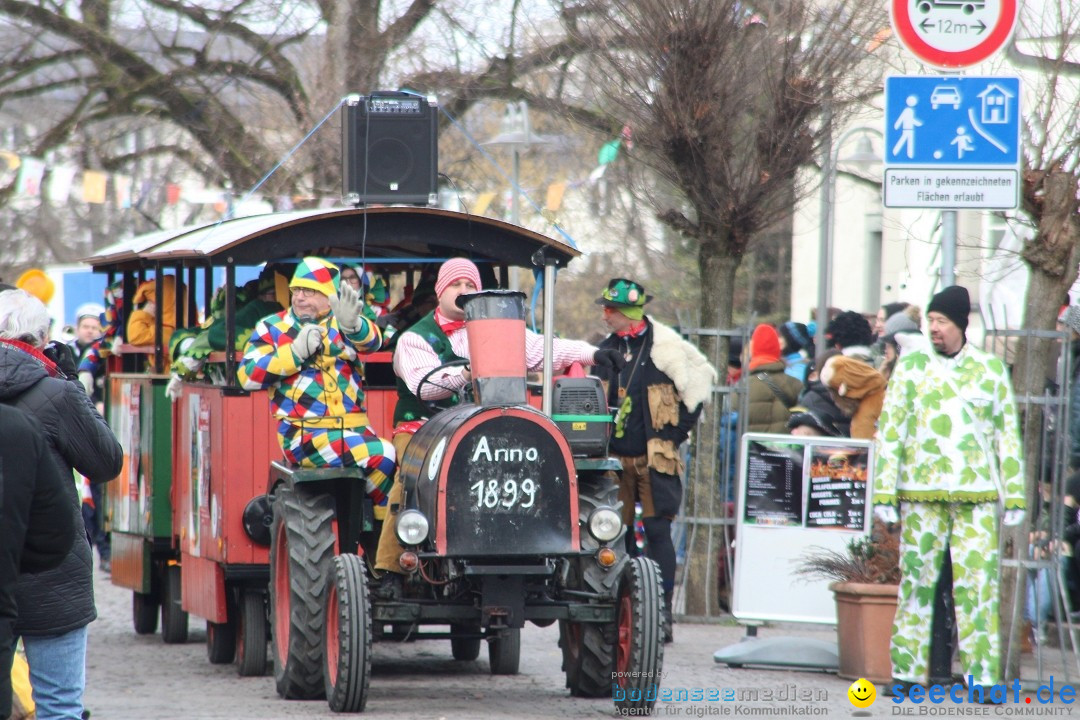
x=945, y=95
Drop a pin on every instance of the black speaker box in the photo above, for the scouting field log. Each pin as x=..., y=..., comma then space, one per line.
x=389, y=149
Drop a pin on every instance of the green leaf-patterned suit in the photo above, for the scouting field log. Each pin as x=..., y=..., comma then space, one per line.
x=948, y=483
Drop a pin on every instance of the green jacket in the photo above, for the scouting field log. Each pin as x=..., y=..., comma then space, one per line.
x=928, y=442
x=409, y=407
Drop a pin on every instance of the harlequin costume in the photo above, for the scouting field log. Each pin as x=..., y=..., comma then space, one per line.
x=319, y=401
x=948, y=451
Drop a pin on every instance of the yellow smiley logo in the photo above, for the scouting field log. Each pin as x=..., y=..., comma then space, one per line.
x=862, y=693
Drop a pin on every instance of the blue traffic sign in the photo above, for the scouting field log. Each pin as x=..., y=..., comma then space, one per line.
x=952, y=122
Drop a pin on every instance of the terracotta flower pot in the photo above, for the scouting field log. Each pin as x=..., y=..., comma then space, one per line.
x=864, y=621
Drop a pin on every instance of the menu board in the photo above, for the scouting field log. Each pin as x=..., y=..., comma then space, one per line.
x=837, y=494
x=774, y=484
x=794, y=493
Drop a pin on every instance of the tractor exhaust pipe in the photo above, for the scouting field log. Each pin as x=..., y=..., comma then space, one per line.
x=495, y=323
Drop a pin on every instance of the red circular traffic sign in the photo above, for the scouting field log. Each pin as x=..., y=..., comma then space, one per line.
x=954, y=33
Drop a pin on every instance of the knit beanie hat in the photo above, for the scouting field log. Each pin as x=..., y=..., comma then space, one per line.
x=954, y=303
x=795, y=335
x=901, y=322
x=1071, y=318
x=764, y=346
x=317, y=274
x=455, y=269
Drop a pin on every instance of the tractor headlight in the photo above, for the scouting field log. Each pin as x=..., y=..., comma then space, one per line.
x=412, y=527
x=605, y=524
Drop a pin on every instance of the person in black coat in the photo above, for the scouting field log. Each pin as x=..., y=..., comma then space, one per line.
x=55, y=606
x=657, y=398
x=36, y=528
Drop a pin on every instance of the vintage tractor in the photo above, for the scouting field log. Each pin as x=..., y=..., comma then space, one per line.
x=501, y=524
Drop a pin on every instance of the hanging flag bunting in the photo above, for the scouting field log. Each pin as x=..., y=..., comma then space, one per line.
x=122, y=190
x=609, y=151
x=94, y=187
x=58, y=184
x=28, y=184
x=483, y=202
x=555, y=194
x=9, y=163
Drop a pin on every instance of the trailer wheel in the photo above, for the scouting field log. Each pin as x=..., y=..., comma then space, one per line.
x=504, y=652
x=347, y=665
x=174, y=620
x=639, y=650
x=220, y=642
x=251, y=634
x=465, y=648
x=144, y=613
x=301, y=554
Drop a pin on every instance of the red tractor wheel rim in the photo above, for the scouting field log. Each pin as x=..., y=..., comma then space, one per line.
x=333, y=635
x=626, y=636
x=282, y=609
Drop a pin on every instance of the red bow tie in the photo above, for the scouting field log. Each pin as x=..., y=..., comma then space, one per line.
x=633, y=330
x=448, y=326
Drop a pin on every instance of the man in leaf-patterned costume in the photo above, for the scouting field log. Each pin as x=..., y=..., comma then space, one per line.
x=948, y=452
x=308, y=353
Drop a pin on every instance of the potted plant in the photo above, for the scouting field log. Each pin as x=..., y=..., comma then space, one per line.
x=866, y=579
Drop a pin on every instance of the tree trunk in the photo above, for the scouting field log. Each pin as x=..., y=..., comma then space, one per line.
x=1053, y=257
x=704, y=503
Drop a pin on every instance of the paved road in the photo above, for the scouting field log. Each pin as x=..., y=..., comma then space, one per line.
x=140, y=678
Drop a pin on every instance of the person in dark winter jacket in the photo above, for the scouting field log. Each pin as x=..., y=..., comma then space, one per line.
x=658, y=397
x=55, y=606
x=772, y=392
x=36, y=528
x=817, y=399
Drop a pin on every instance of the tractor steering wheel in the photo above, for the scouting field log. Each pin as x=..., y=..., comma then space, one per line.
x=431, y=405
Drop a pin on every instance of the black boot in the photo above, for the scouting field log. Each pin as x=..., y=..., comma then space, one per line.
x=668, y=620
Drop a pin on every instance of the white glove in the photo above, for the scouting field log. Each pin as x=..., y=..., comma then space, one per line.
x=1012, y=517
x=192, y=365
x=172, y=390
x=308, y=341
x=87, y=381
x=347, y=305
x=150, y=308
x=886, y=514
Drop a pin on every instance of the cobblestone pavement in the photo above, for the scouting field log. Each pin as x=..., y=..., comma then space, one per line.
x=139, y=677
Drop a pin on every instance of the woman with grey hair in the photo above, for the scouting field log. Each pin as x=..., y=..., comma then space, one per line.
x=56, y=606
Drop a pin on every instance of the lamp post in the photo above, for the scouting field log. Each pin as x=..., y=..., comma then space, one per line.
x=516, y=134
x=863, y=156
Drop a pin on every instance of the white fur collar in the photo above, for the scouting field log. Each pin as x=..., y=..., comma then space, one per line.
x=687, y=367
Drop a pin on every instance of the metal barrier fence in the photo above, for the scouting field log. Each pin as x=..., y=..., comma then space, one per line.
x=1043, y=562
x=706, y=522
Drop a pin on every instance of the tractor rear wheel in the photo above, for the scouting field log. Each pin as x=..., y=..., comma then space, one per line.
x=301, y=556
x=588, y=648
x=347, y=636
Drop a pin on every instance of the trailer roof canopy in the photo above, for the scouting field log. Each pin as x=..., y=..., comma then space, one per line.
x=400, y=234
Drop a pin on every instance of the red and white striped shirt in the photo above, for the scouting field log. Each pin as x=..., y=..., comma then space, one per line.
x=414, y=358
